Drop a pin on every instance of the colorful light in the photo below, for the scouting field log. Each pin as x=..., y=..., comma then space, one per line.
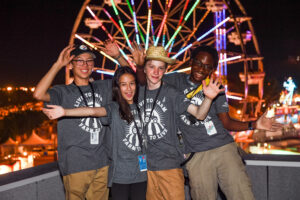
x=121, y=24
x=234, y=97
x=163, y=23
x=220, y=61
x=105, y=72
x=179, y=28
x=230, y=59
x=201, y=37
x=110, y=36
x=94, y=47
x=196, y=28
x=137, y=28
x=114, y=22
x=148, y=23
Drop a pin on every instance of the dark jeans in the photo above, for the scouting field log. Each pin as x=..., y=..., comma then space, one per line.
x=133, y=191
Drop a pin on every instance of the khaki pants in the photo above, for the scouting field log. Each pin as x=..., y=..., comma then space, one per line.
x=165, y=185
x=221, y=166
x=91, y=185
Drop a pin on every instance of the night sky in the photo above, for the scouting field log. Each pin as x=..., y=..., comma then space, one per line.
x=33, y=32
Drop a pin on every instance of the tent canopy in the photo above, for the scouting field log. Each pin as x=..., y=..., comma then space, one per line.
x=9, y=142
x=34, y=139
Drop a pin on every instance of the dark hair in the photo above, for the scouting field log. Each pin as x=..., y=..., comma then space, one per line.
x=212, y=51
x=124, y=107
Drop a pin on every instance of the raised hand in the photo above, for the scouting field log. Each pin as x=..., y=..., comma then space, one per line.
x=138, y=54
x=54, y=112
x=64, y=56
x=269, y=124
x=111, y=48
x=213, y=88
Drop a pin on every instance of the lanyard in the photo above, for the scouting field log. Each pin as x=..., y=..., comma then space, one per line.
x=147, y=119
x=192, y=93
x=82, y=95
x=140, y=135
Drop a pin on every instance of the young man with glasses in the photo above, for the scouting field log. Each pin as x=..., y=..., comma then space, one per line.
x=214, y=155
x=83, y=143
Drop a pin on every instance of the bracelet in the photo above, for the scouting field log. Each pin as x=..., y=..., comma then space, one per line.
x=250, y=126
x=119, y=56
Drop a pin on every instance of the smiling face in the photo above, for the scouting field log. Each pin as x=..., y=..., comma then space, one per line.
x=82, y=65
x=154, y=70
x=201, y=67
x=127, y=87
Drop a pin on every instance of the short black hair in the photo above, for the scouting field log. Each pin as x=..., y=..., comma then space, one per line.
x=212, y=51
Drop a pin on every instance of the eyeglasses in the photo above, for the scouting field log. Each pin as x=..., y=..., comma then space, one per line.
x=82, y=62
x=200, y=64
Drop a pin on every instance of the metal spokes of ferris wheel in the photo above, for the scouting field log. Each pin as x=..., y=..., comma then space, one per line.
x=179, y=26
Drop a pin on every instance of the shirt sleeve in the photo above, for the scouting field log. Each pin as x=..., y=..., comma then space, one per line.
x=55, y=96
x=181, y=102
x=109, y=109
x=171, y=79
x=106, y=88
x=221, y=103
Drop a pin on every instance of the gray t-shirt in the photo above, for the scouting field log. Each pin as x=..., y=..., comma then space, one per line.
x=125, y=147
x=200, y=135
x=163, y=150
x=82, y=142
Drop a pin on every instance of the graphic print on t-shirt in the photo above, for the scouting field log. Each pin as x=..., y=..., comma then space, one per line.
x=90, y=125
x=154, y=124
x=131, y=139
x=207, y=122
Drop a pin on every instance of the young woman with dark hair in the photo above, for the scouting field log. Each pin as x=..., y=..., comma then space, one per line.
x=127, y=175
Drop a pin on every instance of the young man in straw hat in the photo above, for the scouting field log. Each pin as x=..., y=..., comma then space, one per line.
x=160, y=103
x=215, y=157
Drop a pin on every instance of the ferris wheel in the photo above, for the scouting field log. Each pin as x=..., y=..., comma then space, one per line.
x=179, y=26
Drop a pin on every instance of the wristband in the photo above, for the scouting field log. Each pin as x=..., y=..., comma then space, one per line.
x=250, y=126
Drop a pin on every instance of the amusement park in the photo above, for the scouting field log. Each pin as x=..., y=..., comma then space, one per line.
x=30, y=157
x=182, y=26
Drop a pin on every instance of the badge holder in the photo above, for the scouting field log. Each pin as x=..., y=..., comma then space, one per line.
x=142, y=162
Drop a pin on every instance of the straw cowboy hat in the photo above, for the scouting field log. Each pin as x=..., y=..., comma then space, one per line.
x=159, y=53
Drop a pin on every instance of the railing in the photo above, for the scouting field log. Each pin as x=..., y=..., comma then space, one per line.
x=273, y=177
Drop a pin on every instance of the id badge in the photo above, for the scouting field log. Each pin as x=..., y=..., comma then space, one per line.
x=142, y=163
x=94, y=136
x=210, y=128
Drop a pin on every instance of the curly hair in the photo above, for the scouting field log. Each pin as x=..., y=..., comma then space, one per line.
x=212, y=51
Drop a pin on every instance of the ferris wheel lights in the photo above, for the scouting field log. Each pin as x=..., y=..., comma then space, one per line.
x=180, y=25
x=160, y=29
x=148, y=23
x=85, y=41
x=94, y=47
x=163, y=23
x=114, y=7
x=211, y=30
x=173, y=37
x=191, y=10
x=109, y=57
x=230, y=59
x=105, y=72
x=132, y=10
x=201, y=37
x=110, y=37
x=121, y=24
x=91, y=12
